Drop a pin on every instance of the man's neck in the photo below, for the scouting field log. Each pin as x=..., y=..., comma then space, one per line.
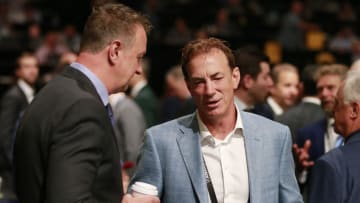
x=221, y=127
x=96, y=66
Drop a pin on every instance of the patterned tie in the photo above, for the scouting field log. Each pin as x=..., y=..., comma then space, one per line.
x=111, y=114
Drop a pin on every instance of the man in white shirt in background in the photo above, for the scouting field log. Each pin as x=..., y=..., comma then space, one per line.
x=283, y=94
x=13, y=103
x=255, y=81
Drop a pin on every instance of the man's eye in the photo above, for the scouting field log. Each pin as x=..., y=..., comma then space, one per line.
x=196, y=82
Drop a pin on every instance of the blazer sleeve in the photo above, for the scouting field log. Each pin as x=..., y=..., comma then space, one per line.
x=288, y=190
x=325, y=185
x=9, y=113
x=76, y=152
x=148, y=168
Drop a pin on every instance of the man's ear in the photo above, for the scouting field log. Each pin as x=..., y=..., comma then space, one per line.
x=236, y=77
x=355, y=110
x=247, y=81
x=114, y=51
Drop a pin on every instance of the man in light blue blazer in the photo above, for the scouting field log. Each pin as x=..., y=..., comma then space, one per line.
x=247, y=158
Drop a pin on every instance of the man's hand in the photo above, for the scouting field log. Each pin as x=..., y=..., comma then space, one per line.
x=128, y=198
x=302, y=155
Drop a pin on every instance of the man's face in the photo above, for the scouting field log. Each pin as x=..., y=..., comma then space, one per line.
x=212, y=84
x=327, y=87
x=260, y=89
x=28, y=69
x=286, y=91
x=132, y=55
x=342, y=114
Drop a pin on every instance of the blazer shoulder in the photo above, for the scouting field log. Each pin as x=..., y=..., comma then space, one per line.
x=172, y=127
x=334, y=159
x=255, y=119
x=264, y=128
x=14, y=91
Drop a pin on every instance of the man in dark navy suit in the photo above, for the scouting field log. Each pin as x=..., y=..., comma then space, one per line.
x=336, y=175
x=319, y=137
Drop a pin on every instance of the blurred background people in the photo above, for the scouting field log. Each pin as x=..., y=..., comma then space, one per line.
x=176, y=95
x=255, y=81
x=12, y=105
x=293, y=28
x=308, y=110
x=318, y=138
x=283, y=94
x=144, y=96
x=129, y=126
x=50, y=51
x=65, y=59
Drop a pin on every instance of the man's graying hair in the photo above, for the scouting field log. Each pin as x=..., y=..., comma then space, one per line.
x=109, y=22
x=351, y=89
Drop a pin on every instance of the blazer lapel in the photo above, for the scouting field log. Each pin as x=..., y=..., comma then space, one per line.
x=253, y=148
x=190, y=149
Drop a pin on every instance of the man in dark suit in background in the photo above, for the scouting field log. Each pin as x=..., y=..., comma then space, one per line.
x=13, y=103
x=255, y=82
x=65, y=149
x=319, y=137
x=336, y=175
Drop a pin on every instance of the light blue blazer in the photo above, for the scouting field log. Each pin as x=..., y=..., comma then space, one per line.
x=171, y=160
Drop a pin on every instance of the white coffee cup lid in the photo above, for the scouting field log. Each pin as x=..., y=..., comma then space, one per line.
x=144, y=188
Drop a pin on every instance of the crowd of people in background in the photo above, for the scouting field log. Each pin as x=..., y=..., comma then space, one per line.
x=297, y=32
x=293, y=58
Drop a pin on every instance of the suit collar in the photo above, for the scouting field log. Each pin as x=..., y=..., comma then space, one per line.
x=26, y=89
x=353, y=137
x=97, y=83
x=189, y=146
x=83, y=81
x=21, y=93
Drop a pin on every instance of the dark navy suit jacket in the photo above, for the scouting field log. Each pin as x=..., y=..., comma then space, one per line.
x=336, y=175
x=315, y=133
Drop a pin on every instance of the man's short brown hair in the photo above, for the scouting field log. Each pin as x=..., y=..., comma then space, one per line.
x=333, y=69
x=109, y=22
x=201, y=46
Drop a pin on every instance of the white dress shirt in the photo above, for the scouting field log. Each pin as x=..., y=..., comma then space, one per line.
x=27, y=89
x=226, y=163
x=275, y=106
x=330, y=136
x=136, y=89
